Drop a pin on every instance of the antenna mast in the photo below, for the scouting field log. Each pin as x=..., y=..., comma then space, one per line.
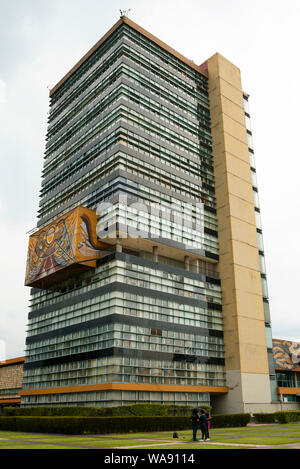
x=124, y=13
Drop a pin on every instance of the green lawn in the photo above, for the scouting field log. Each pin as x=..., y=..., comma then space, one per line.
x=222, y=438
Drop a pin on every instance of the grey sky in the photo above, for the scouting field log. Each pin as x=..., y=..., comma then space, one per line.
x=41, y=40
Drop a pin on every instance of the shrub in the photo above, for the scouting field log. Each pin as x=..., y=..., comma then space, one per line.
x=130, y=410
x=93, y=425
x=288, y=416
x=8, y=423
x=230, y=420
x=281, y=417
x=103, y=425
x=265, y=417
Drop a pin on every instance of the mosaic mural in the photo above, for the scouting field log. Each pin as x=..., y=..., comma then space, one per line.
x=69, y=240
x=286, y=354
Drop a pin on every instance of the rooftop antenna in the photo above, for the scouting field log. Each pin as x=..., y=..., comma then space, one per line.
x=124, y=13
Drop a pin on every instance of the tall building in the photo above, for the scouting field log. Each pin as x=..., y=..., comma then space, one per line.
x=146, y=267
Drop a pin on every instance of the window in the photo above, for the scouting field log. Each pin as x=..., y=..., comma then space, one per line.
x=156, y=332
x=285, y=379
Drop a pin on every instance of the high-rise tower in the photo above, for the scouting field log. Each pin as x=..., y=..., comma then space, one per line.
x=146, y=265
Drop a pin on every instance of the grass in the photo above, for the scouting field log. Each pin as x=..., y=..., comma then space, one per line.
x=38, y=447
x=196, y=446
x=221, y=438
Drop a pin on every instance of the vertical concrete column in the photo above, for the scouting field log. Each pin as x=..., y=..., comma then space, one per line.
x=187, y=262
x=244, y=329
x=118, y=246
x=155, y=253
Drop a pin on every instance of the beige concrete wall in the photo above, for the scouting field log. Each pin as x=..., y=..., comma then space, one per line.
x=244, y=329
x=247, y=393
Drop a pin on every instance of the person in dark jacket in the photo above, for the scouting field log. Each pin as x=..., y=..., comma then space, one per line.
x=203, y=425
x=208, y=419
x=195, y=423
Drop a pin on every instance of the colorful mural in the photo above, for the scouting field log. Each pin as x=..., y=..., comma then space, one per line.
x=286, y=354
x=69, y=240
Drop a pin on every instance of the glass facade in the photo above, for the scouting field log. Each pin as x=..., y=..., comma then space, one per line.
x=117, y=398
x=132, y=121
x=289, y=379
x=285, y=380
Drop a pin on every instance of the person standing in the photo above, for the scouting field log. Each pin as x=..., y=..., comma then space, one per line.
x=203, y=425
x=195, y=423
x=208, y=419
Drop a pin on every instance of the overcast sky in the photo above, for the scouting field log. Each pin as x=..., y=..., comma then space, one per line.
x=41, y=40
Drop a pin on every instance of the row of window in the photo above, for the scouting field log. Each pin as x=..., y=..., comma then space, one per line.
x=122, y=187
x=126, y=272
x=12, y=391
x=161, y=97
x=88, y=117
x=165, y=95
x=156, y=367
x=288, y=380
x=139, y=223
x=135, y=40
x=106, y=81
x=49, y=165
x=145, y=44
x=125, y=303
x=260, y=242
x=134, y=269
x=118, y=369
x=143, y=122
x=126, y=93
x=35, y=355
x=141, y=194
x=200, y=169
x=132, y=165
x=118, y=398
x=128, y=337
x=150, y=65
x=90, y=64
x=65, y=169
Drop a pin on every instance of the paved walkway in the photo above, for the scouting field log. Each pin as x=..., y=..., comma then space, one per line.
x=214, y=443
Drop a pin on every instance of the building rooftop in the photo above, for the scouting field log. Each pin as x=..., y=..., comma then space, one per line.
x=136, y=27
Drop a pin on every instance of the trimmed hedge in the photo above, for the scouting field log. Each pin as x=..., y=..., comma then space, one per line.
x=281, y=417
x=130, y=410
x=264, y=417
x=103, y=425
x=288, y=416
x=93, y=425
x=230, y=420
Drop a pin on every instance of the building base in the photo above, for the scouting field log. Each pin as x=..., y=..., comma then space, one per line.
x=248, y=393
